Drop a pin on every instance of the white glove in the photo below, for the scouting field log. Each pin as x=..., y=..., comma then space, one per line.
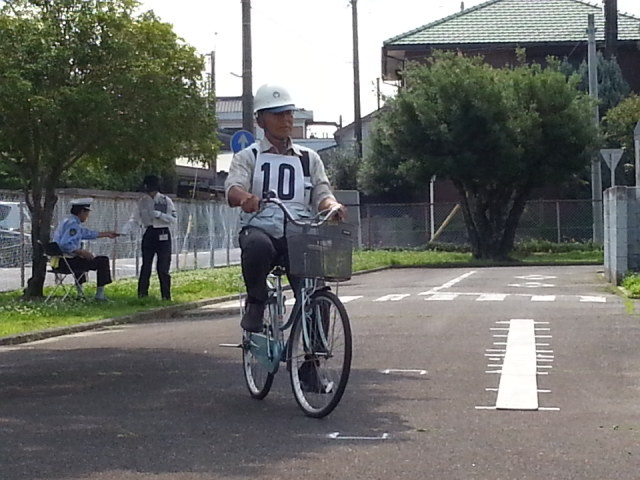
x=157, y=213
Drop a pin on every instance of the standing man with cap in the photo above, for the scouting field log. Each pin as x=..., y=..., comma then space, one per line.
x=294, y=172
x=69, y=235
x=157, y=214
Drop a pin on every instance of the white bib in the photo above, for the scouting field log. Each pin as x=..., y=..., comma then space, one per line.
x=282, y=174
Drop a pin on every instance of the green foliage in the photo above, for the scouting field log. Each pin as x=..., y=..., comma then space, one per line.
x=342, y=167
x=618, y=126
x=631, y=283
x=544, y=246
x=495, y=133
x=87, y=88
x=612, y=87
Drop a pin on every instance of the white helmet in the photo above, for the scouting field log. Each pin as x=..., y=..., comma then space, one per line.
x=273, y=98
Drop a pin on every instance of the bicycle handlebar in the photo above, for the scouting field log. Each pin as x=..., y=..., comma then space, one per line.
x=270, y=197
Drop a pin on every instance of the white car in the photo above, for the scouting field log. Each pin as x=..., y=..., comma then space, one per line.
x=10, y=216
x=15, y=235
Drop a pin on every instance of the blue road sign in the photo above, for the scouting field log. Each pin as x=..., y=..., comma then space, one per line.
x=241, y=140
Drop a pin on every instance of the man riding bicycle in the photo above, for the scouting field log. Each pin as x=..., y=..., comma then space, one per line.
x=297, y=176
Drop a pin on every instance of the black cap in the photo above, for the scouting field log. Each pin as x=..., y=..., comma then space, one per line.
x=151, y=183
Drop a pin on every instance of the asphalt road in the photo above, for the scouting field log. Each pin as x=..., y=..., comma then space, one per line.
x=161, y=400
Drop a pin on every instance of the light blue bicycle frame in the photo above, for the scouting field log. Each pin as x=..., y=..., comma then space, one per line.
x=269, y=349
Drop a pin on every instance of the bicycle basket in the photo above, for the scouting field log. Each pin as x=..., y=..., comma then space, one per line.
x=321, y=252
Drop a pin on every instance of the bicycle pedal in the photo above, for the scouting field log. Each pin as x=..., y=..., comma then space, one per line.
x=231, y=345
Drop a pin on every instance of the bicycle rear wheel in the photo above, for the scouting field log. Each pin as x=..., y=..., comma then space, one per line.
x=257, y=352
x=320, y=358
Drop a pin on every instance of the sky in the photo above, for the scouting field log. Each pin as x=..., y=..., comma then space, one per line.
x=306, y=45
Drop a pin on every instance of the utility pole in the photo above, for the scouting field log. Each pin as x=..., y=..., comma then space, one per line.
x=213, y=99
x=247, y=73
x=596, y=172
x=610, y=28
x=357, y=121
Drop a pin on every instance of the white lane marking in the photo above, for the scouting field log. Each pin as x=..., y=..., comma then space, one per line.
x=349, y=298
x=535, y=277
x=592, y=299
x=518, y=387
x=343, y=299
x=532, y=285
x=543, y=298
x=441, y=296
x=338, y=436
x=449, y=284
x=491, y=297
x=394, y=297
x=403, y=370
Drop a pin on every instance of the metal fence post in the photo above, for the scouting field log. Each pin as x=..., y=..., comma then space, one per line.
x=369, y=221
x=23, y=250
x=558, y=220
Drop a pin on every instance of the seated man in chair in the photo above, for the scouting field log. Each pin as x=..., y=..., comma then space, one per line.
x=68, y=236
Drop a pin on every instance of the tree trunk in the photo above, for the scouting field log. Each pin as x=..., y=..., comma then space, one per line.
x=41, y=218
x=491, y=218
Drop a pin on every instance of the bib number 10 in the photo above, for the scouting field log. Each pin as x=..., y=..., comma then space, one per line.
x=286, y=180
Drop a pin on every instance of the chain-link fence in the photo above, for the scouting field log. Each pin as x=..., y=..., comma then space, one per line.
x=206, y=233
x=415, y=224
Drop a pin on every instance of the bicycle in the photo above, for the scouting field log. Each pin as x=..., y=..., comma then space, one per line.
x=318, y=349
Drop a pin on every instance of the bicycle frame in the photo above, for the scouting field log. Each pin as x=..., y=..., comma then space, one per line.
x=270, y=348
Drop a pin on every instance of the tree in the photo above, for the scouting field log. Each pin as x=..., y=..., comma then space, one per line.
x=618, y=126
x=612, y=87
x=342, y=166
x=87, y=81
x=495, y=133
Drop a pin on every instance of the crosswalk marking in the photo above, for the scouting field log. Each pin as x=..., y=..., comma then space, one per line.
x=491, y=297
x=543, y=298
x=592, y=299
x=441, y=296
x=394, y=297
x=349, y=298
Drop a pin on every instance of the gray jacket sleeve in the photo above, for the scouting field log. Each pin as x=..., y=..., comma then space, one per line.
x=240, y=171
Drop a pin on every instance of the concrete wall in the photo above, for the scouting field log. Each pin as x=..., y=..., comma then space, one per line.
x=621, y=232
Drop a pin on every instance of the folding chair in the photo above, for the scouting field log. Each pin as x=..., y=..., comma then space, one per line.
x=61, y=269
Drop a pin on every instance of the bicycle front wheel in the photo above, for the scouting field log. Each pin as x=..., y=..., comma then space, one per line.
x=258, y=353
x=320, y=355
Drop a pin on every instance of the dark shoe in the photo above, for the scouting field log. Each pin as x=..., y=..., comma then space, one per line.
x=252, y=318
x=311, y=381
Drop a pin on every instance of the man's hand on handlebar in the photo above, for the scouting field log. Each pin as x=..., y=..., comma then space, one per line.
x=250, y=204
x=340, y=210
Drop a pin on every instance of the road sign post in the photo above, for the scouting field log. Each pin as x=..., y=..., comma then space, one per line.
x=612, y=157
x=241, y=140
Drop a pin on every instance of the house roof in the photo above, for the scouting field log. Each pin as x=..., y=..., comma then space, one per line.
x=228, y=104
x=231, y=107
x=517, y=22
